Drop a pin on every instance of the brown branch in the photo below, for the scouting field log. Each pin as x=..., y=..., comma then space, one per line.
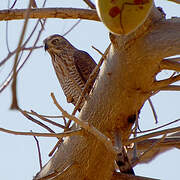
x=153, y=110
x=168, y=143
x=63, y=13
x=55, y=147
x=36, y=121
x=148, y=151
x=90, y=4
x=158, y=85
x=121, y=176
x=10, y=76
x=67, y=32
x=167, y=124
x=22, y=47
x=175, y=1
x=101, y=137
x=14, y=104
x=171, y=88
x=13, y=4
x=57, y=135
x=48, y=120
x=158, y=133
x=46, y=116
x=39, y=152
x=170, y=65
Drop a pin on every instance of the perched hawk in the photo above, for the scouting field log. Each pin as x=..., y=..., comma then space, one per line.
x=72, y=66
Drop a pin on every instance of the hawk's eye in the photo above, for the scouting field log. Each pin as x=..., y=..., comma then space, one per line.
x=55, y=41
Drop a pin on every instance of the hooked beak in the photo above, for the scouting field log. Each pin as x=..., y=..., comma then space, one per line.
x=45, y=46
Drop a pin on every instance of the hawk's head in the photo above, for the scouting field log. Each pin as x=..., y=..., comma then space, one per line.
x=56, y=43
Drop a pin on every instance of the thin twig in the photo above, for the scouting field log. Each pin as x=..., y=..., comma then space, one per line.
x=13, y=4
x=57, y=135
x=101, y=137
x=46, y=116
x=7, y=42
x=175, y=59
x=150, y=135
x=175, y=1
x=55, y=147
x=36, y=121
x=30, y=48
x=39, y=152
x=10, y=76
x=22, y=47
x=67, y=32
x=148, y=151
x=171, y=88
x=153, y=110
x=170, y=64
x=48, y=120
x=158, y=85
x=65, y=122
x=167, y=124
x=90, y=4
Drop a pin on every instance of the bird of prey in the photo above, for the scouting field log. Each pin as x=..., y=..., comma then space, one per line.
x=72, y=66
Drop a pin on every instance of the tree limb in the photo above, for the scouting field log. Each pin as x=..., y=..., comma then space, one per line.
x=120, y=176
x=170, y=65
x=171, y=88
x=39, y=13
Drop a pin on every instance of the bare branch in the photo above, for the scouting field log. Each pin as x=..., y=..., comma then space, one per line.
x=148, y=151
x=46, y=116
x=63, y=13
x=39, y=152
x=9, y=78
x=158, y=133
x=22, y=47
x=174, y=59
x=153, y=110
x=88, y=127
x=7, y=42
x=121, y=176
x=171, y=88
x=48, y=120
x=158, y=85
x=36, y=121
x=90, y=4
x=145, y=131
x=57, y=135
x=72, y=28
x=13, y=4
x=175, y=1
x=55, y=147
x=170, y=65
x=14, y=104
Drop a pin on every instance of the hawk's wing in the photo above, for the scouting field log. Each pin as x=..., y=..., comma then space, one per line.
x=84, y=64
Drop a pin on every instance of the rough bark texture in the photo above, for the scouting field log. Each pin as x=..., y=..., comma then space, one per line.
x=125, y=82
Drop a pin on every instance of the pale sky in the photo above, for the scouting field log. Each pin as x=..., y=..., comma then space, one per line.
x=18, y=154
